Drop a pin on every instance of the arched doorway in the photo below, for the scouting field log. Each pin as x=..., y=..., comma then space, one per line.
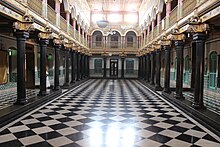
x=212, y=69
x=186, y=73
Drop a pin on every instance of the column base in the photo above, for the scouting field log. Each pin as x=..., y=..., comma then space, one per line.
x=198, y=106
x=167, y=90
x=158, y=88
x=152, y=83
x=179, y=96
x=56, y=88
x=21, y=102
x=73, y=82
x=42, y=93
x=66, y=85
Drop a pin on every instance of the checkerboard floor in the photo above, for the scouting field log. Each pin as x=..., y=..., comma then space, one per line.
x=108, y=113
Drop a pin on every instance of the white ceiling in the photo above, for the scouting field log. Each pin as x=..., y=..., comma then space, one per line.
x=115, y=5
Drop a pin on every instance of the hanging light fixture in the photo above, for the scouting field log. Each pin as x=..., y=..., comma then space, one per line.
x=103, y=22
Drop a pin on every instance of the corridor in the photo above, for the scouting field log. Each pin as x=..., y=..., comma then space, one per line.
x=107, y=113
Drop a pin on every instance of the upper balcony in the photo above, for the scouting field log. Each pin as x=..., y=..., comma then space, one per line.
x=54, y=13
x=114, y=42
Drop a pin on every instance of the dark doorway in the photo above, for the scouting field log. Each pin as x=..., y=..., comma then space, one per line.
x=113, y=67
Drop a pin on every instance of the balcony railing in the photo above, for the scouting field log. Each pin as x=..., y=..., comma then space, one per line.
x=130, y=44
x=35, y=5
x=63, y=24
x=114, y=45
x=51, y=15
x=173, y=16
x=188, y=6
x=97, y=44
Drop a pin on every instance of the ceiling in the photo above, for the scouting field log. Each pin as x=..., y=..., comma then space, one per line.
x=115, y=5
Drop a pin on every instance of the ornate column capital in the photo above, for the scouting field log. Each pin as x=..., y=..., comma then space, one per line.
x=176, y=35
x=164, y=41
x=58, y=40
x=46, y=34
x=196, y=25
x=25, y=25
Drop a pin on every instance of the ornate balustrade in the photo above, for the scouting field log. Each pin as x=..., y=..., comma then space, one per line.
x=36, y=6
x=51, y=15
x=173, y=17
x=188, y=6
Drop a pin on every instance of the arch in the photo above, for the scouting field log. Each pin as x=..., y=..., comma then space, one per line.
x=187, y=69
x=148, y=20
x=213, y=57
x=130, y=31
x=117, y=31
x=98, y=31
x=160, y=6
x=153, y=14
x=73, y=12
x=78, y=18
x=66, y=5
x=83, y=24
x=131, y=39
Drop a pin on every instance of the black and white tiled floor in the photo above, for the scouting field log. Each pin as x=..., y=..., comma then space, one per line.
x=107, y=113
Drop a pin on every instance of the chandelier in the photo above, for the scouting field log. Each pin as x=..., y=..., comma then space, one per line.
x=103, y=22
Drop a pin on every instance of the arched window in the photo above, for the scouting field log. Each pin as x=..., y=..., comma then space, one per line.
x=131, y=39
x=174, y=4
x=97, y=38
x=212, y=69
x=186, y=73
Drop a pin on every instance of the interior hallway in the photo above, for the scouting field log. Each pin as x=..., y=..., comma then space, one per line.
x=107, y=113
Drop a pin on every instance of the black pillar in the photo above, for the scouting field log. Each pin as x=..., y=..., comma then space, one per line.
x=21, y=86
x=88, y=66
x=193, y=57
x=67, y=74
x=73, y=67
x=104, y=71
x=139, y=67
x=147, y=68
x=85, y=66
x=152, y=67
x=78, y=66
x=43, y=50
x=158, y=68
x=57, y=66
x=82, y=66
x=218, y=79
x=179, y=81
x=199, y=39
x=122, y=67
x=167, y=69
x=144, y=68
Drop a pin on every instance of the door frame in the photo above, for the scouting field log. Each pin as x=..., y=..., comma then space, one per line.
x=116, y=61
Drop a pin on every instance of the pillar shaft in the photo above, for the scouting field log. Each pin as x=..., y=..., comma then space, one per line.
x=67, y=62
x=218, y=79
x=73, y=67
x=167, y=69
x=78, y=66
x=21, y=86
x=179, y=81
x=193, y=57
x=147, y=68
x=199, y=39
x=104, y=72
x=152, y=67
x=122, y=67
x=82, y=66
x=158, y=68
x=43, y=52
x=144, y=68
x=57, y=66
